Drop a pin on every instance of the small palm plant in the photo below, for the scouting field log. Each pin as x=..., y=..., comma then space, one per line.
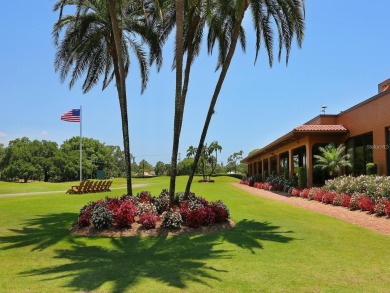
x=332, y=159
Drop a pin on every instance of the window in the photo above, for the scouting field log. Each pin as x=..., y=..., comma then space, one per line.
x=360, y=148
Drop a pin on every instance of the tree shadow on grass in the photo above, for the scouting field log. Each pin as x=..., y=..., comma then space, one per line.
x=123, y=262
x=41, y=232
x=247, y=233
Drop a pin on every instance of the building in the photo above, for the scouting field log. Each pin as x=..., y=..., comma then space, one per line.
x=363, y=128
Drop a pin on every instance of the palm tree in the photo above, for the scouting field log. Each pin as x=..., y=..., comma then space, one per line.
x=179, y=17
x=196, y=13
x=96, y=42
x=332, y=159
x=288, y=18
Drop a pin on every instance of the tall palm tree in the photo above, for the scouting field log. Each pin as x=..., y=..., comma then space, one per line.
x=96, y=41
x=179, y=46
x=332, y=159
x=196, y=13
x=288, y=18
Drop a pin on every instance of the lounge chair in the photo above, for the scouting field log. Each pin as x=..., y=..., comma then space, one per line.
x=77, y=188
x=87, y=186
x=97, y=186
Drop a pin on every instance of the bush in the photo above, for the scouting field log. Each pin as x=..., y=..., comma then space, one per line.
x=85, y=215
x=162, y=201
x=366, y=204
x=171, y=219
x=302, y=177
x=148, y=221
x=345, y=200
x=125, y=214
x=304, y=193
x=146, y=208
x=388, y=208
x=371, y=169
x=102, y=217
x=319, y=193
x=380, y=206
x=354, y=202
x=196, y=218
x=328, y=197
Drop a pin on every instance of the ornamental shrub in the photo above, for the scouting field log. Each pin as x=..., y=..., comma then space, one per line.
x=328, y=197
x=171, y=219
x=371, y=169
x=148, y=221
x=388, y=209
x=345, y=200
x=302, y=177
x=85, y=215
x=102, y=217
x=197, y=217
x=354, y=202
x=221, y=214
x=319, y=193
x=184, y=211
x=305, y=193
x=337, y=199
x=366, y=204
x=380, y=207
x=146, y=207
x=125, y=214
x=162, y=201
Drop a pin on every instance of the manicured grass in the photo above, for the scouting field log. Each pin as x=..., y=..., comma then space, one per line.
x=273, y=248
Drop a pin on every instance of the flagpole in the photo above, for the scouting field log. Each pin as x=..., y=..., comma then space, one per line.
x=81, y=147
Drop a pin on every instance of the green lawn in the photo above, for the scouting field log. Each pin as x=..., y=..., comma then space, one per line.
x=273, y=248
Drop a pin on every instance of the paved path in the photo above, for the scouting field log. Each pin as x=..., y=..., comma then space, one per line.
x=379, y=224
x=60, y=191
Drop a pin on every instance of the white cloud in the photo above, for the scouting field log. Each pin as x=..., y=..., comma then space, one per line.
x=44, y=133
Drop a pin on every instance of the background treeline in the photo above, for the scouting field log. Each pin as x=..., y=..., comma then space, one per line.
x=44, y=160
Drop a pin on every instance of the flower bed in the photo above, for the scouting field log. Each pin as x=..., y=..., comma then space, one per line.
x=150, y=212
x=369, y=194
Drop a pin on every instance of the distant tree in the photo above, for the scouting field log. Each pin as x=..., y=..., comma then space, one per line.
x=144, y=166
x=20, y=162
x=160, y=168
x=2, y=153
x=234, y=159
x=332, y=159
x=184, y=166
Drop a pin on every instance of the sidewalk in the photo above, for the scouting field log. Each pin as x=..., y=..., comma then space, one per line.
x=60, y=191
x=378, y=224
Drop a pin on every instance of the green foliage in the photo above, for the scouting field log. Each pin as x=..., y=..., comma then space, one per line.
x=332, y=159
x=371, y=169
x=102, y=217
x=302, y=177
x=36, y=243
x=44, y=160
x=171, y=219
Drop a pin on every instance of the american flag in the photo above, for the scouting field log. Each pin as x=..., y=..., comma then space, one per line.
x=71, y=116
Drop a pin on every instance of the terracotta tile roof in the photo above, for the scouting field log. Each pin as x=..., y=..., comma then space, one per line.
x=320, y=128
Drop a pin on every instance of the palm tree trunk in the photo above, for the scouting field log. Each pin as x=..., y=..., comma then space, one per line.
x=121, y=88
x=178, y=96
x=225, y=68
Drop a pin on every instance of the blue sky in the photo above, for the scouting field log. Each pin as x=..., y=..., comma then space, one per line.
x=345, y=55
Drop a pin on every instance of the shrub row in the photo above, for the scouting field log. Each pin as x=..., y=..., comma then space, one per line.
x=121, y=212
x=366, y=193
x=356, y=201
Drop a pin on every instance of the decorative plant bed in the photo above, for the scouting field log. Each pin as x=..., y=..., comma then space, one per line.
x=206, y=180
x=145, y=215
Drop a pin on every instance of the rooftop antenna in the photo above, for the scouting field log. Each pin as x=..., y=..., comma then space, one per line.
x=324, y=108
